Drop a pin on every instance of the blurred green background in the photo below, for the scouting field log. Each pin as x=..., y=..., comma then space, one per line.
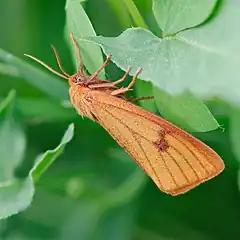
x=94, y=190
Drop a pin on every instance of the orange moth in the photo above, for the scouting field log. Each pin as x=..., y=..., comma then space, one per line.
x=175, y=160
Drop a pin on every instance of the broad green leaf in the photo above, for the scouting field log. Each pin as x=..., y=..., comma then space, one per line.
x=185, y=110
x=79, y=24
x=188, y=102
x=174, y=16
x=8, y=70
x=12, y=139
x=16, y=196
x=44, y=160
x=38, y=78
x=204, y=60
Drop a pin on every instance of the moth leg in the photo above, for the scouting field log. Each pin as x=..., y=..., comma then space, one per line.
x=141, y=98
x=99, y=70
x=128, y=88
x=111, y=84
x=119, y=91
x=134, y=78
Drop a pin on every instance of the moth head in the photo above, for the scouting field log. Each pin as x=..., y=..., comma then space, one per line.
x=77, y=79
x=74, y=79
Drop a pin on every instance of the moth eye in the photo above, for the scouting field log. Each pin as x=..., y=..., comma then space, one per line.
x=77, y=79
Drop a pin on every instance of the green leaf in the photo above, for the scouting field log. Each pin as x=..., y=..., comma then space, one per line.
x=174, y=16
x=79, y=24
x=185, y=110
x=46, y=159
x=8, y=70
x=12, y=139
x=38, y=78
x=204, y=60
x=17, y=195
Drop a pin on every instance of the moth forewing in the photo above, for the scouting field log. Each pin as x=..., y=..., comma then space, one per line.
x=175, y=160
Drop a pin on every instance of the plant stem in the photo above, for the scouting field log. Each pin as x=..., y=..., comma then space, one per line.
x=135, y=14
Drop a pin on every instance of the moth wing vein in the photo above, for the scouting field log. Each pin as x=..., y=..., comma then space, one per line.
x=139, y=144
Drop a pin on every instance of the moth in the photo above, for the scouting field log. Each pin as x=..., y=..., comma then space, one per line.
x=175, y=160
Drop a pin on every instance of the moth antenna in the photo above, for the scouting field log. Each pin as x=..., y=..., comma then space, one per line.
x=47, y=66
x=79, y=59
x=59, y=61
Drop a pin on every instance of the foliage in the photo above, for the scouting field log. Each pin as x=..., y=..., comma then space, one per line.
x=189, y=54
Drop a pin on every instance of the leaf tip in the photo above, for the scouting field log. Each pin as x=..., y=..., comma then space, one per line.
x=68, y=135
